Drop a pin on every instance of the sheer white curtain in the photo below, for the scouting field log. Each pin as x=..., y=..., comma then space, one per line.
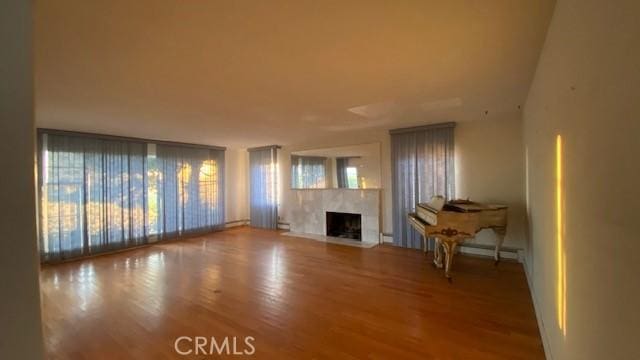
x=422, y=164
x=308, y=172
x=92, y=195
x=189, y=184
x=100, y=193
x=263, y=167
x=341, y=171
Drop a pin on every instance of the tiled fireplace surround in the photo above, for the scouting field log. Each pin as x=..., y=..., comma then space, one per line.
x=309, y=207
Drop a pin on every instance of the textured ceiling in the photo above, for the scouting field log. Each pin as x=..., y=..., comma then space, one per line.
x=249, y=73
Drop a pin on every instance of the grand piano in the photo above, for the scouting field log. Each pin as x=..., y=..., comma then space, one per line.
x=453, y=222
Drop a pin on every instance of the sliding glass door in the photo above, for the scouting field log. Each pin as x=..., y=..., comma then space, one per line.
x=99, y=193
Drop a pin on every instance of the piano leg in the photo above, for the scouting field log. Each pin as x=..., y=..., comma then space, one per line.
x=437, y=254
x=424, y=244
x=449, y=251
x=500, y=234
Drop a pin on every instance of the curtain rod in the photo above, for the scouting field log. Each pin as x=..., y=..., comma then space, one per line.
x=264, y=147
x=422, y=128
x=125, y=138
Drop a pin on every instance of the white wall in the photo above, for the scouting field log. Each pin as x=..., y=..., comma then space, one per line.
x=236, y=185
x=586, y=90
x=489, y=167
x=20, y=324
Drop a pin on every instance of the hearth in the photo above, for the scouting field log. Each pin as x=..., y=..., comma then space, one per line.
x=344, y=225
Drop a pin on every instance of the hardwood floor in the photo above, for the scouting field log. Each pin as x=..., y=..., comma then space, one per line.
x=297, y=297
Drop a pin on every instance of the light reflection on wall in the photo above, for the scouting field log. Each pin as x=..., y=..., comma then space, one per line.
x=276, y=178
x=561, y=261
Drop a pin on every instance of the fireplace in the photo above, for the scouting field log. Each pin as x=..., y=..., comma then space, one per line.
x=344, y=225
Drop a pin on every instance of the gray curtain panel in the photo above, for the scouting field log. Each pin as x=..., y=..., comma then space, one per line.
x=422, y=166
x=98, y=194
x=263, y=200
x=341, y=171
x=308, y=172
x=92, y=196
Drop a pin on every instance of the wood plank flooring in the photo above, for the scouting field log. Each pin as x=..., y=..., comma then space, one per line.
x=299, y=299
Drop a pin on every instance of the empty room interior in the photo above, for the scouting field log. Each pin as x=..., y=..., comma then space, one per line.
x=294, y=179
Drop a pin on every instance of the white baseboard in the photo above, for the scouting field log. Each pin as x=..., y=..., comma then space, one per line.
x=504, y=254
x=243, y=222
x=536, y=309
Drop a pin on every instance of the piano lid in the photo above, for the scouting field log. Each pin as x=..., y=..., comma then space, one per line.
x=470, y=206
x=434, y=205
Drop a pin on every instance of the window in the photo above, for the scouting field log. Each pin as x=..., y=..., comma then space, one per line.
x=100, y=193
x=352, y=177
x=154, y=178
x=208, y=183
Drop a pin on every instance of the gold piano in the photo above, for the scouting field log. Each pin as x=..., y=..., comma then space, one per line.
x=454, y=222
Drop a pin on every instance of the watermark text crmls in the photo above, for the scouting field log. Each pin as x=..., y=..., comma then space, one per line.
x=227, y=345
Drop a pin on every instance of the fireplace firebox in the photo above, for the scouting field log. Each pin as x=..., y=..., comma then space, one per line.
x=344, y=225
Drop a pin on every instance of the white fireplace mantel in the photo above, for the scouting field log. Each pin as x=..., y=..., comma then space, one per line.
x=309, y=207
